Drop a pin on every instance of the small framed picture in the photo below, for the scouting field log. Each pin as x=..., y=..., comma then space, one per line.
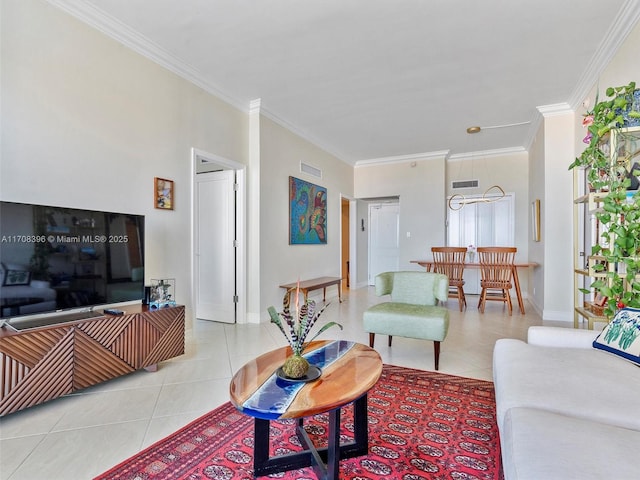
x=163, y=193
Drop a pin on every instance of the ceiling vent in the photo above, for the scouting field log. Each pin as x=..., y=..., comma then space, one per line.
x=465, y=184
x=310, y=169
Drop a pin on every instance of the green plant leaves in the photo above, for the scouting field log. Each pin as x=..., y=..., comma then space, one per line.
x=299, y=326
x=607, y=171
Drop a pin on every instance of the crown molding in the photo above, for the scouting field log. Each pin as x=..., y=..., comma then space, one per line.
x=133, y=40
x=533, y=130
x=255, y=106
x=122, y=33
x=545, y=111
x=304, y=135
x=555, y=110
x=440, y=154
x=499, y=152
x=623, y=24
x=626, y=20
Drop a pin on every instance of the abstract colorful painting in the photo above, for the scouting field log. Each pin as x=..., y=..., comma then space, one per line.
x=307, y=213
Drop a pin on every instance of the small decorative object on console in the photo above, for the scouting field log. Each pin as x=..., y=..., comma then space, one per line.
x=299, y=325
x=162, y=293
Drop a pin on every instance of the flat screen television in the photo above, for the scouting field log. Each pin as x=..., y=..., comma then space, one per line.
x=55, y=259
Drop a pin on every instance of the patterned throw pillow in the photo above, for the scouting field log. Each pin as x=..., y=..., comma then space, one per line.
x=622, y=335
x=16, y=277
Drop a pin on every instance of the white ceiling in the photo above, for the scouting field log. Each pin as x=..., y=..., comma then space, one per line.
x=380, y=79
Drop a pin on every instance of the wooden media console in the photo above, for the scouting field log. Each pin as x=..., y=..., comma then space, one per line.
x=42, y=363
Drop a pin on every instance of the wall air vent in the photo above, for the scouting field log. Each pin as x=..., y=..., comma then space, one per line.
x=464, y=184
x=205, y=165
x=310, y=169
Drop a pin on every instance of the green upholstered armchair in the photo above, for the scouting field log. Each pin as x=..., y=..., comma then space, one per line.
x=413, y=311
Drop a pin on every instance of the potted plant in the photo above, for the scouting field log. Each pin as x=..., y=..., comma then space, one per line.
x=298, y=327
x=610, y=171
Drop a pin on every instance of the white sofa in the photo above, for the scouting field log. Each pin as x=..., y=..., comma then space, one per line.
x=566, y=410
x=43, y=297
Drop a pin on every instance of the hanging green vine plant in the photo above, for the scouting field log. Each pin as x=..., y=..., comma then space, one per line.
x=611, y=172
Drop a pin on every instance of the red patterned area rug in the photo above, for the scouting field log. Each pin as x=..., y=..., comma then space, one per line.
x=422, y=425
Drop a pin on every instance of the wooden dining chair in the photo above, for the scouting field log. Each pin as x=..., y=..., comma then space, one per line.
x=449, y=261
x=496, y=272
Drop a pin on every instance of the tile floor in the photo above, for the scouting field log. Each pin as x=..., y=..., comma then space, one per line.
x=82, y=435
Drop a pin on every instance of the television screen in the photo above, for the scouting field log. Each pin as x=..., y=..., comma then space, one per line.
x=57, y=258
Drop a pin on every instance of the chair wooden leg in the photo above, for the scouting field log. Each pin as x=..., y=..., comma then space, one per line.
x=390, y=337
x=436, y=354
x=509, y=304
x=372, y=339
x=483, y=299
x=462, y=301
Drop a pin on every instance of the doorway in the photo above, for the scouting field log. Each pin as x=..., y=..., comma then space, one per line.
x=384, y=238
x=218, y=239
x=345, y=249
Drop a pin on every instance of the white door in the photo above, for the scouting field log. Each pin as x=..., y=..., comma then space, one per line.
x=215, y=251
x=384, y=239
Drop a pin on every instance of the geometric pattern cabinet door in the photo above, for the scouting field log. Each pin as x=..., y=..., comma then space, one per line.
x=161, y=336
x=41, y=364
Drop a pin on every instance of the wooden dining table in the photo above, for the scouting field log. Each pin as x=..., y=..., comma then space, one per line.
x=428, y=265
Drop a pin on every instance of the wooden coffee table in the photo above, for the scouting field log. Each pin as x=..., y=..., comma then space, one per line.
x=349, y=370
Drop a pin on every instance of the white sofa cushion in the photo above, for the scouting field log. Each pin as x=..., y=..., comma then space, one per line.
x=561, y=337
x=585, y=383
x=541, y=445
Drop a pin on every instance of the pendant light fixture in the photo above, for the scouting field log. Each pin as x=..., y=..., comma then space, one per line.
x=492, y=194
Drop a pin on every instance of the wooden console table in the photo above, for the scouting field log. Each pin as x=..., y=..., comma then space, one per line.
x=43, y=363
x=349, y=370
x=307, y=286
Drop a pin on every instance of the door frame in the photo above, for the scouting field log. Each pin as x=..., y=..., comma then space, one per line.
x=352, y=229
x=199, y=159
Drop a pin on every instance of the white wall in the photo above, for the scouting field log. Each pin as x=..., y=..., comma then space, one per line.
x=557, y=211
x=281, y=152
x=87, y=123
x=622, y=69
x=511, y=172
x=420, y=186
x=536, y=290
x=561, y=137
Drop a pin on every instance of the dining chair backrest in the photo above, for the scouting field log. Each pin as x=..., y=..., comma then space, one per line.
x=449, y=261
x=496, y=264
